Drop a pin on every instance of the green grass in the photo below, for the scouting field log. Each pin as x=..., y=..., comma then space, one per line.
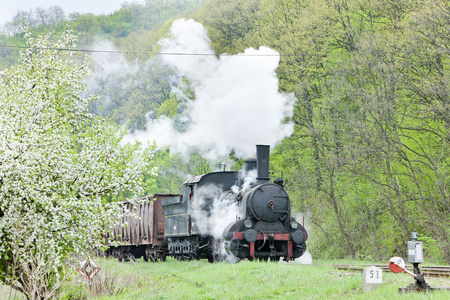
x=244, y=280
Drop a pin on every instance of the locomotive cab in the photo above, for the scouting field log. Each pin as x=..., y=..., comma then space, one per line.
x=185, y=216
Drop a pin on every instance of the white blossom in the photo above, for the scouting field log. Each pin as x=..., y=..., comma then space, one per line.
x=57, y=161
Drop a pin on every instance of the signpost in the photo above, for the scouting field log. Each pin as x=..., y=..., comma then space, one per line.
x=397, y=265
x=373, y=277
x=88, y=269
x=415, y=256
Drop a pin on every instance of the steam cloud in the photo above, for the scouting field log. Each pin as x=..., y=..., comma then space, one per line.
x=237, y=102
x=224, y=210
x=108, y=67
x=237, y=106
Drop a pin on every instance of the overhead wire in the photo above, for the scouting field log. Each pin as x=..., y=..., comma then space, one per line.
x=224, y=54
x=136, y=52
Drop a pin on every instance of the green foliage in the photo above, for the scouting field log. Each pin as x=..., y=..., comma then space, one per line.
x=168, y=108
x=174, y=169
x=171, y=172
x=364, y=155
x=9, y=56
x=231, y=24
x=142, y=19
x=132, y=91
x=369, y=158
x=57, y=161
x=432, y=249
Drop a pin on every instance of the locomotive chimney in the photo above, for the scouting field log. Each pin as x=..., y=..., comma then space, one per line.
x=249, y=164
x=262, y=158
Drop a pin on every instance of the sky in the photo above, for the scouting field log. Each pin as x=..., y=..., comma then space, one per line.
x=9, y=8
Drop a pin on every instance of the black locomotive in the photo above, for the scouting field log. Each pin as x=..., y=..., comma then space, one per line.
x=262, y=225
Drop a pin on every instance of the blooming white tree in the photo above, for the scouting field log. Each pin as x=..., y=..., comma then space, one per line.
x=57, y=161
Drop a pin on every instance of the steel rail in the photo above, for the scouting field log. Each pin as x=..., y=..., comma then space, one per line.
x=432, y=271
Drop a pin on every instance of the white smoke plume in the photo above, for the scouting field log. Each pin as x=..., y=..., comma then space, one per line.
x=305, y=259
x=224, y=210
x=303, y=219
x=237, y=101
x=247, y=179
x=106, y=67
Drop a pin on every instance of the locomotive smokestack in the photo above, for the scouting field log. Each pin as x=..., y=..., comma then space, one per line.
x=249, y=164
x=262, y=158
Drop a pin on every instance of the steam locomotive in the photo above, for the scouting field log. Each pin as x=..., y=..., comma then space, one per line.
x=222, y=215
x=266, y=229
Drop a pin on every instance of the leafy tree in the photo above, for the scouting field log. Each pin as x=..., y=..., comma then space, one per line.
x=57, y=161
x=368, y=150
x=135, y=93
x=425, y=137
x=34, y=18
x=231, y=24
x=9, y=56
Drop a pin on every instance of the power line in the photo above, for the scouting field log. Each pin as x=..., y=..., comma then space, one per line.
x=135, y=52
x=215, y=54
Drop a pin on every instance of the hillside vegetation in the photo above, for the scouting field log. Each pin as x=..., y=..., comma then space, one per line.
x=368, y=161
x=369, y=158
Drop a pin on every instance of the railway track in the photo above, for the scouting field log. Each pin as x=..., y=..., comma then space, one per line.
x=432, y=271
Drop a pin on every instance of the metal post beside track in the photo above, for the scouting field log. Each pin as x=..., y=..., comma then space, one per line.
x=415, y=256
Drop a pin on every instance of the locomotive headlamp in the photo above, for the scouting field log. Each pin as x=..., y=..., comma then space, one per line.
x=294, y=224
x=248, y=224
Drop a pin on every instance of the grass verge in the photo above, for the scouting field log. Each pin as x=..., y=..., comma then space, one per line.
x=244, y=280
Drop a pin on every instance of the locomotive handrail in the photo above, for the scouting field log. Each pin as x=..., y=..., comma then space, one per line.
x=203, y=246
x=280, y=211
x=265, y=238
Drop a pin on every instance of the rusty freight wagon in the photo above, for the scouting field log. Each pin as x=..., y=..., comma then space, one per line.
x=143, y=237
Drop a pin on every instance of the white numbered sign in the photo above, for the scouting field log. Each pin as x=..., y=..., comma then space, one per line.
x=373, y=275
